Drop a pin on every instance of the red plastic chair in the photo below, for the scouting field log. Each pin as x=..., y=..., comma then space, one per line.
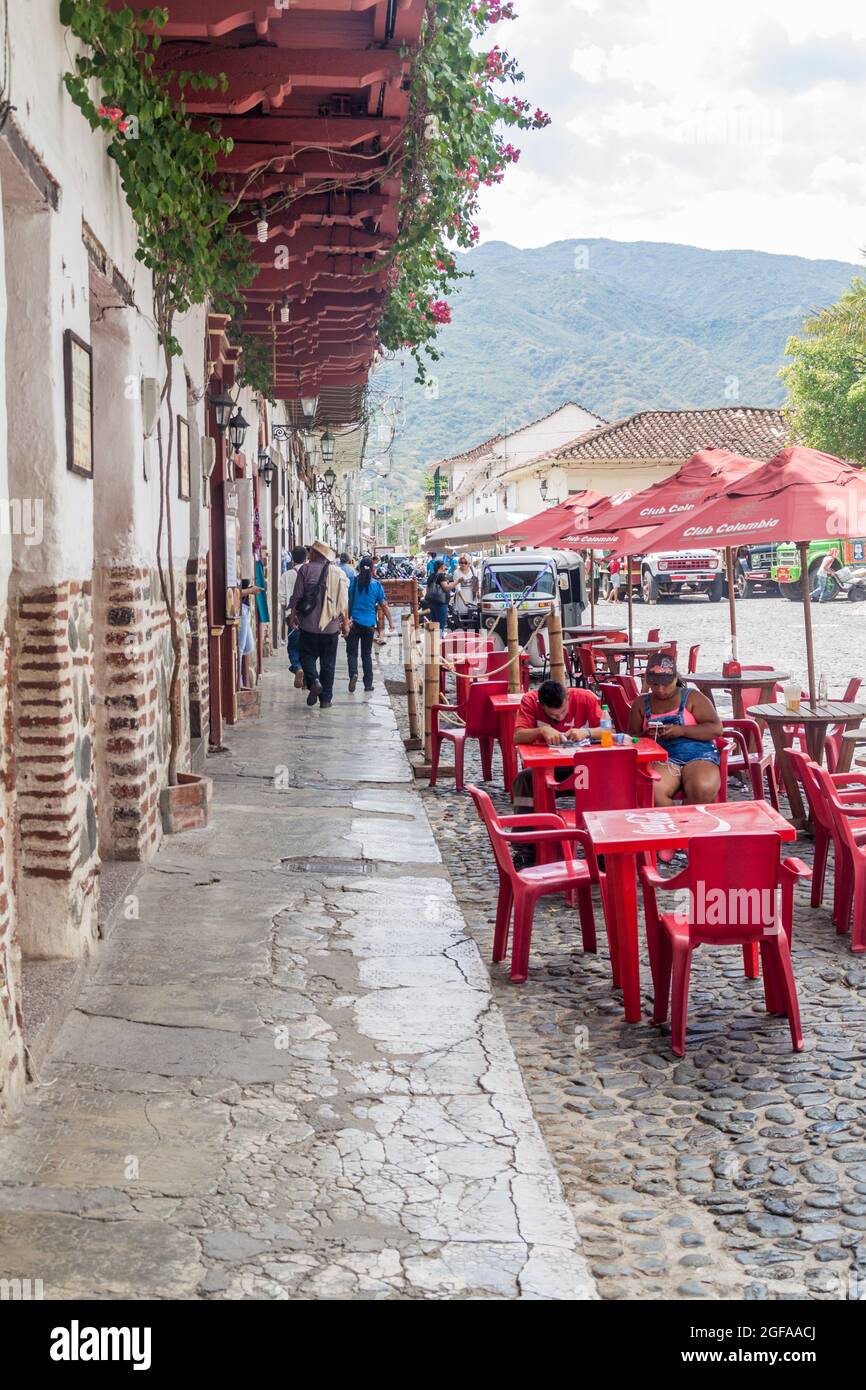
x=592, y=665
x=628, y=684
x=468, y=652
x=654, y=634
x=848, y=809
x=693, y=658
x=480, y=718
x=833, y=742
x=738, y=863
x=520, y=889
x=754, y=761
x=752, y=694
x=612, y=694
x=603, y=780
x=467, y=646
x=851, y=791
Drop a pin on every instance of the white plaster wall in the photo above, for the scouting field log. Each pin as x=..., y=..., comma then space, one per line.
x=518, y=449
x=90, y=189
x=612, y=478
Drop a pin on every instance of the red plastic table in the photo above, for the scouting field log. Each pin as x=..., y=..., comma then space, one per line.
x=506, y=707
x=623, y=835
x=538, y=759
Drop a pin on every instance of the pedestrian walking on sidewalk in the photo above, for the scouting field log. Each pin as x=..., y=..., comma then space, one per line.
x=292, y=635
x=366, y=598
x=320, y=608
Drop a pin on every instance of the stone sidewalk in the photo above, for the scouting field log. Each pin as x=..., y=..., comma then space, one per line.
x=286, y=1076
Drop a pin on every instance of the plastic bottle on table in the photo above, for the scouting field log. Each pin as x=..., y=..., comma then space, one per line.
x=606, y=727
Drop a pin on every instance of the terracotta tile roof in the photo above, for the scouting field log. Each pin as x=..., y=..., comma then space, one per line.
x=677, y=434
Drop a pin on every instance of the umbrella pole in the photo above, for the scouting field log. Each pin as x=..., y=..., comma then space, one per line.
x=732, y=600
x=803, y=547
x=630, y=597
x=592, y=588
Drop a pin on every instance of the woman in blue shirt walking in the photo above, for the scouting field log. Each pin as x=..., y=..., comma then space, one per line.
x=366, y=595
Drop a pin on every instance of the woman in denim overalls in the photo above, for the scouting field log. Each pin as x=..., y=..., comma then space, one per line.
x=664, y=713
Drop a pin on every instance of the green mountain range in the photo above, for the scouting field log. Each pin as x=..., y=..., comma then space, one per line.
x=615, y=326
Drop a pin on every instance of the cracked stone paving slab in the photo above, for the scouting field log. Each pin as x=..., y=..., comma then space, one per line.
x=287, y=1077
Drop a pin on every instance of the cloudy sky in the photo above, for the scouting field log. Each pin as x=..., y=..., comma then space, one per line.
x=724, y=126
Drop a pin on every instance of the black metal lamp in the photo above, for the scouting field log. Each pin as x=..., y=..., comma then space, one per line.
x=328, y=447
x=542, y=488
x=223, y=406
x=238, y=427
x=267, y=468
x=330, y=478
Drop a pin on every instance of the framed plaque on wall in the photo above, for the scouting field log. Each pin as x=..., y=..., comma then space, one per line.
x=182, y=458
x=78, y=383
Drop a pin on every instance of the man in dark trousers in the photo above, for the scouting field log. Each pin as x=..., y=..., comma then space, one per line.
x=320, y=607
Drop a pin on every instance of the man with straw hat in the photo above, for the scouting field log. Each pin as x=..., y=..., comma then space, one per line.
x=320, y=608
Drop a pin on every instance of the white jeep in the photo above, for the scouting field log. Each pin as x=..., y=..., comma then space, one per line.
x=672, y=573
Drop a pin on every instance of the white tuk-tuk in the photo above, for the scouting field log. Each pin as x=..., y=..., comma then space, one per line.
x=537, y=581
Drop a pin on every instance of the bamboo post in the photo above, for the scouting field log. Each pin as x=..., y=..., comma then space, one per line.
x=431, y=687
x=732, y=599
x=803, y=547
x=557, y=658
x=410, y=657
x=513, y=651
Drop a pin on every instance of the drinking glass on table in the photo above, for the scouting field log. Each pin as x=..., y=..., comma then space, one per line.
x=792, y=698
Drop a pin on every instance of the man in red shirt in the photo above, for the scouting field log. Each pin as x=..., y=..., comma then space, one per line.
x=553, y=715
x=550, y=715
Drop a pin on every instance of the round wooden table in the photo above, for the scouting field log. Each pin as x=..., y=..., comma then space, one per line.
x=852, y=739
x=762, y=681
x=814, y=720
x=629, y=652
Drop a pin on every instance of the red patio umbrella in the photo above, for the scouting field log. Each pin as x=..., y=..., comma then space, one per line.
x=703, y=476
x=534, y=531
x=800, y=495
x=628, y=521
x=537, y=531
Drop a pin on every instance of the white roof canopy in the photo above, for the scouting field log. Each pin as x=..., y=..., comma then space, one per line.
x=476, y=530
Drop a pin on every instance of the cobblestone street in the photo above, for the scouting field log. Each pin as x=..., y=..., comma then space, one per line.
x=740, y=1171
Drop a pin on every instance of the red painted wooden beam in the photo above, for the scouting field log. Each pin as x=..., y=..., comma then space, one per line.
x=202, y=19
x=331, y=132
x=329, y=275
x=320, y=163
x=315, y=210
x=263, y=74
x=310, y=241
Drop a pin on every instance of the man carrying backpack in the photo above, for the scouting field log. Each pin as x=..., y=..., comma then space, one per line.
x=320, y=608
